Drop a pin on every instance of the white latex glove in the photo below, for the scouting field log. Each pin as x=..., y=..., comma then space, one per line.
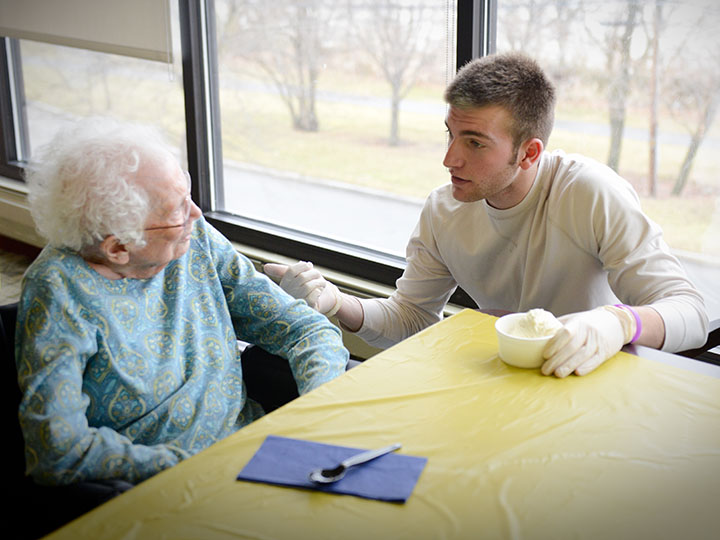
x=587, y=339
x=302, y=281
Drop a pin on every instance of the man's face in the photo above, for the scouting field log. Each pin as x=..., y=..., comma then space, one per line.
x=169, y=224
x=480, y=156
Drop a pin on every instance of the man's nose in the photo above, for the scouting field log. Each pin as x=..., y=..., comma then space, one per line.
x=453, y=159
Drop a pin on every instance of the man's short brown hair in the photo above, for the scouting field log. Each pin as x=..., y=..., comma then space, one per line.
x=513, y=81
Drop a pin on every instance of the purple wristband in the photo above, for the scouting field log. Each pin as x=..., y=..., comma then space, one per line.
x=638, y=323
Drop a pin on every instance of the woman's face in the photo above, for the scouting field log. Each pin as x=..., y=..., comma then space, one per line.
x=169, y=224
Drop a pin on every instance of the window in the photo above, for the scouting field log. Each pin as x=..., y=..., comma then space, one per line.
x=370, y=128
x=332, y=125
x=314, y=128
x=85, y=58
x=638, y=89
x=64, y=83
x=332, y=114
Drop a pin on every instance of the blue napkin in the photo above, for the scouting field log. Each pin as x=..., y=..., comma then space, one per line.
x=288, y=462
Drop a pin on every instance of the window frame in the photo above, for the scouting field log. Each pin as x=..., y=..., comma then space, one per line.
x=14, y=140
x=475, y=36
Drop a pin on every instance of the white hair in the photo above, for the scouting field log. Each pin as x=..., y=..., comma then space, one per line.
x=81, y=187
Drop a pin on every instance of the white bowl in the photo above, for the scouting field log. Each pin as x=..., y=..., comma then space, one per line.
x=522, y=352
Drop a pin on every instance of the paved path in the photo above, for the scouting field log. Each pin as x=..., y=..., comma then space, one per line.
x=349, y=214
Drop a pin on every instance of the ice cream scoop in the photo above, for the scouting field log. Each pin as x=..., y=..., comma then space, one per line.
x=533, y=324
x=522, y=337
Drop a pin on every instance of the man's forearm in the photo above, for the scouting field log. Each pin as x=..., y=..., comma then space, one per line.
x=653, y=328
x=350, y=314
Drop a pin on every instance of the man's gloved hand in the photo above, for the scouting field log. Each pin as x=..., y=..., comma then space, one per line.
x=587, y=339
x=302, y=281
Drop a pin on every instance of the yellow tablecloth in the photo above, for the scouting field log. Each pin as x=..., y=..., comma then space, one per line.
x=629, y=451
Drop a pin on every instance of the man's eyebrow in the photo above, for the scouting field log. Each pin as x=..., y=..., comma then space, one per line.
x=477, y=134
x=471, y=133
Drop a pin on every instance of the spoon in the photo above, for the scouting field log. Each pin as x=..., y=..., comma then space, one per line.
x=328, y=476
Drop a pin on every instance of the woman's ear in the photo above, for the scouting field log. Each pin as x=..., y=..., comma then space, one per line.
x=114, y=251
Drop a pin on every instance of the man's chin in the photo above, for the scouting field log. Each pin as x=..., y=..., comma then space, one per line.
x=462, y=195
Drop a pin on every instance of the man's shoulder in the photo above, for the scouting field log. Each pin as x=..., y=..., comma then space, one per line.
x=573, y=176
x=568, y=169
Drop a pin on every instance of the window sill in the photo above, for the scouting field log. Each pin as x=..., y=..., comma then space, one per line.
x=346, y=283
x=15, y=219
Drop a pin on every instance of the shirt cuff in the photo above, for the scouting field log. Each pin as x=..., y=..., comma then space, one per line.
x=685, y=328
x=373, y=324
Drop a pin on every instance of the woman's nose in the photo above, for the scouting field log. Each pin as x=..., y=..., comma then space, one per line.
x=195, y=211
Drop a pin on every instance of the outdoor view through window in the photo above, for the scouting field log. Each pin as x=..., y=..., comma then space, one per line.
x=332, y=117
x=66, y=83
x=639, y=89
x=332, y=112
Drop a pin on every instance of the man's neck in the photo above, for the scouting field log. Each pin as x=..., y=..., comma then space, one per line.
x=518, y=191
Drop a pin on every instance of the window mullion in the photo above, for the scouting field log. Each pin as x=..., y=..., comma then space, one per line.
x=476, y=29
x=204, y=151
x=14, y=142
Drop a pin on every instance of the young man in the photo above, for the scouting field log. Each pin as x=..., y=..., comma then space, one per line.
x=518, y=228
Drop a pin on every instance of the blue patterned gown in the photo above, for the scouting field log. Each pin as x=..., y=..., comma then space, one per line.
x=124, y=378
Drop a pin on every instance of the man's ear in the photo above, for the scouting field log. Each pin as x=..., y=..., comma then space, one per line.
x=114, y=251
x=530, y=152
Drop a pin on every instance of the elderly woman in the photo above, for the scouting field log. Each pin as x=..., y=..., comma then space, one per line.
x=127, y=325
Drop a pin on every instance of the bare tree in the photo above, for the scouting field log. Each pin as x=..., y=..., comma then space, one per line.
x=618, y=40
x=80, y=87
x=395, y=36
x=544, y=29
x=664, y=12
x=654, y=97
x=566, y=13
x=525, y=22
x=694, y=94
x=285, y=40
x=692, y=77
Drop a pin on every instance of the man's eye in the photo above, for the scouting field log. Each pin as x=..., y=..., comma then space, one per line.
x=449, y=135
x=475, y=144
